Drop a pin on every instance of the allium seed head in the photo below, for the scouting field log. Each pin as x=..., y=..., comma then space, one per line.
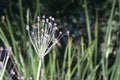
x=44, y=38
x=4, y=53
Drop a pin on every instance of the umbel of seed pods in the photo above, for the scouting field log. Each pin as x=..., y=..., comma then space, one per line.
x=4, y=56
x=43, y=35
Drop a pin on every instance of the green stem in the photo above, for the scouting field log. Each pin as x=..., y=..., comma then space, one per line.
x=88, y=23
x=39, y=66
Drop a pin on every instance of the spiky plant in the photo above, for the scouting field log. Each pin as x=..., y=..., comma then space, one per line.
x=4, y=56
x=43, y=37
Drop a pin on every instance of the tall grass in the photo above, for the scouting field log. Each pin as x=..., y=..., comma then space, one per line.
x=80, y=61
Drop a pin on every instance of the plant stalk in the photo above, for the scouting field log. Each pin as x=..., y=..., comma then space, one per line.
x=39, y=66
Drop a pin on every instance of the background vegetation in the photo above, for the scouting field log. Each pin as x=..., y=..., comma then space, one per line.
x=91, y=52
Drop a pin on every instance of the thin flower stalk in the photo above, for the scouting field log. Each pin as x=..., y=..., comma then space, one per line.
x=43, y=37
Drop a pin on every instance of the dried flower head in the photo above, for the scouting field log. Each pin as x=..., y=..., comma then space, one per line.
x=4, y=56
x=43, y=35
x=2, y=19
